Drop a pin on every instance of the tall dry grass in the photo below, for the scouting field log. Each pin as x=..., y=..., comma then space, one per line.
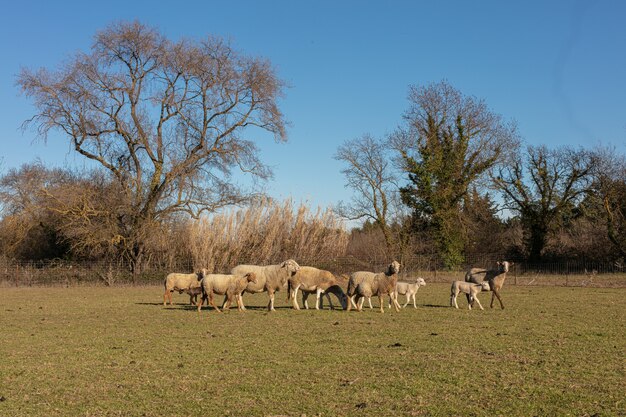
x=265, y=233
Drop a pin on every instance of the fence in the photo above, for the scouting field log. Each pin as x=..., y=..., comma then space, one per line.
x=64, y=273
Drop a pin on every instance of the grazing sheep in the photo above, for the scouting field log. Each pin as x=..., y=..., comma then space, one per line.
x=380, y=284
x=335, y=289
x=237, y=285
x=270, y=278
x=495, y=277
x=310, y=280
x=189, y=283
x=409, y=289
x=468, y=288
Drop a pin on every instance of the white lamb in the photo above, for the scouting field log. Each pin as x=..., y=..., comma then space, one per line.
x=409, y=289
x=467, y=288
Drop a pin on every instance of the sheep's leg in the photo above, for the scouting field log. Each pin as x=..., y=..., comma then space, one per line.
x=359, y=305
x=240, y=297
x=414, y=305
x=318, y=299
x=453, y=300
x=478, y=302
x=330, y=301
x=469, y=305
x=382, y=303
x=212, y=302
x=270, y=305
x=229, y=301
x=352, y=300
x=201, y=302
x=294, y=299
x=496, y=293
x=408, y=298
x=165, y=297
x=395, y=303
x=305, y=299
x=369, y=300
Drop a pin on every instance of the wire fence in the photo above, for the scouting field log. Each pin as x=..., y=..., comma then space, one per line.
x=65, y=273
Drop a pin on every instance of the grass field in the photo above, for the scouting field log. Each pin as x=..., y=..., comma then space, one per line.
x=98, y=351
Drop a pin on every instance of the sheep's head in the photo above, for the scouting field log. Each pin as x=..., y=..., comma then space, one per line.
x=200, y=275
x=485, y=286
x=393, y=268
x=504, y=266
x=251, y=277
x=291, y=265
x=421, y=281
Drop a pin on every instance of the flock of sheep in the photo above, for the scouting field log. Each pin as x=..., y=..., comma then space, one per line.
x=309, y=280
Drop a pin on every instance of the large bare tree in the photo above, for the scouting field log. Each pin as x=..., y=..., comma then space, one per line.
x=541, y=186
x=169, y=121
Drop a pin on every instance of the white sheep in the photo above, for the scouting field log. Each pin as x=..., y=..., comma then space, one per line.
x=313, y=280
x=188, y=283
x=495, y=278
x=355, y=279
x=214, y=284
x=380, y=284
x=270, y=278
x=409, y=289
x=468, y=288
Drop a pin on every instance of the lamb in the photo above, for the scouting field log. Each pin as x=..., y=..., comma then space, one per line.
x=409, y=289
x=468, y=288
x=189, y=283
x=495, y=278
x=237, y=285
x=270, y=278
x=380, y=284
x=310, y=280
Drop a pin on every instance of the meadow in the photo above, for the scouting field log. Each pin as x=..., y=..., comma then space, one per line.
x=117, y=351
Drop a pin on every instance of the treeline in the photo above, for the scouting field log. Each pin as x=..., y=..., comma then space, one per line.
x=165, y=124
x=455, y=179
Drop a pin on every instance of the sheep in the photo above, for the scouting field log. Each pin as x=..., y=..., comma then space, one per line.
x=468, y=288
x=355, y=279
x=189, y=283
x=380, y=284
x=409, y=289
x=236, y=287
x=214, y=284
x=270, y=278
x=495, y=277
x=310, y=280
x=335, y=289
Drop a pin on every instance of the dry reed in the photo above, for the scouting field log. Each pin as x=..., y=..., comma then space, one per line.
x=264, y=233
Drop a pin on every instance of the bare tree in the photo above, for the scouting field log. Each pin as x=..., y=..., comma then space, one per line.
x=542, y=187
x=169, y=121
x=369, y=173
x=609, y=185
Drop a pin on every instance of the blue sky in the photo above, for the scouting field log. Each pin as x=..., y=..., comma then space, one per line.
x=558, y=68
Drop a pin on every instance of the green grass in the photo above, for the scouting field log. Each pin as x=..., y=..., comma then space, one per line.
x=96, y=351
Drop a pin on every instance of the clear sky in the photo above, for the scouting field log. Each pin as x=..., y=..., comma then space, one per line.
x=556, y=67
